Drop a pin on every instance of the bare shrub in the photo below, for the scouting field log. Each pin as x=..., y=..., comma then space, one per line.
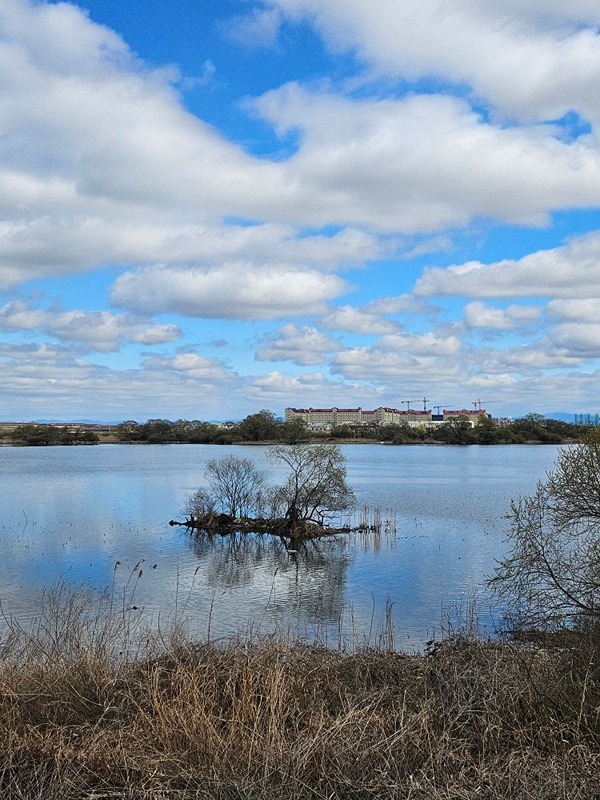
x=551, y=577
x=200, y=504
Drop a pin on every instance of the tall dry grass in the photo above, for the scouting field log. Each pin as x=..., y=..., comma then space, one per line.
x=91, y=709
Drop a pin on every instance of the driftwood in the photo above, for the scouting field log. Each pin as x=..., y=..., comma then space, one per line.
x=296, y=529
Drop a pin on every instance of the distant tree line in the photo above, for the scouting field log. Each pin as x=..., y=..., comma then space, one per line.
x=265, y=426
x=533, y=428
x=32, y=435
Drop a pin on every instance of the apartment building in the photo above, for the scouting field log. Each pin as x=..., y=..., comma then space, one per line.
x=325, y=418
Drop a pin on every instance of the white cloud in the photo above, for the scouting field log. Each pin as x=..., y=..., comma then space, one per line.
x=426, y=344
x=231, y=291
x=99, y=162
x=448, y=370
x=523, y=361
x=258, y=28
x=97, y=330
x=38, y=382
x=370, y=318
x=307, y=389
x=553, y=48
x=191, y=365
x=580, y=339
x=357, y=320
x=413, y=359
x=46, y=351
x=570, y=271
x=301, y=345
x=480, y=315
x=101, y=165
x=403, y=377
x=424, y=162
x=158, y=334
x=580, y=310
x=404, y=303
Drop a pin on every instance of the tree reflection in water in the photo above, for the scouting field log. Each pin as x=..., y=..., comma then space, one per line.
x=307, y=583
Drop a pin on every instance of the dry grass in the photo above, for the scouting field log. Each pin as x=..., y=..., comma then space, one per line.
x=83, y=715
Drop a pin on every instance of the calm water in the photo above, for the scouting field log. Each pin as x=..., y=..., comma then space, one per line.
x=97, y=516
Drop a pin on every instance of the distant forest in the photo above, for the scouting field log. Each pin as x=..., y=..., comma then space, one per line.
x=265, y=426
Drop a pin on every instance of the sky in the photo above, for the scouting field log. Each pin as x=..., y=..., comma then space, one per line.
x=211, y=208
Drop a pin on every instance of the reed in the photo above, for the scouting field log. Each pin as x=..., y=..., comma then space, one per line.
x=91, y=708
x=375, y=520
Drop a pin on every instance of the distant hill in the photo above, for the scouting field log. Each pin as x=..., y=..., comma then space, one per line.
x=561, y=415
x=74, y=421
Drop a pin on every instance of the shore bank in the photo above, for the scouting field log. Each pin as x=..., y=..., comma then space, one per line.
x=83, y=716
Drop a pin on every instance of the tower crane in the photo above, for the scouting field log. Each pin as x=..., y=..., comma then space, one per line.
x=479, y=403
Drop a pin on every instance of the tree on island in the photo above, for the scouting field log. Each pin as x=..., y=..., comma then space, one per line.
x=235, y=489
x=316, y=484
x=551, y=577
x=237, y=484
x=315, y=489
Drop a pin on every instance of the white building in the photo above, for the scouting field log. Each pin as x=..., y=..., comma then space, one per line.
x=326, y=418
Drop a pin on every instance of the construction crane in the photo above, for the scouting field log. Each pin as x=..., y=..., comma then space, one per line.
x=438, y=409
x=407, y=402
x=479, y=403
x=425, y=403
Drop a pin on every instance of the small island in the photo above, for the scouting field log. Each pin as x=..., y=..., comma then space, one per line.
x=238, y=500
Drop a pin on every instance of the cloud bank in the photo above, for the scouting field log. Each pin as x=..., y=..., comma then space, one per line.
x=416, y=214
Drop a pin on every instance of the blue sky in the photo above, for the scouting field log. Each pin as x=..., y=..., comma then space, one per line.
x=211, y=208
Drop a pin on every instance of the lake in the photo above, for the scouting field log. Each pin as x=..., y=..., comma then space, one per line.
x=98, y=517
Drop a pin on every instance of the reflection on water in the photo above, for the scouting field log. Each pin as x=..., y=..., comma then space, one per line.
x=310, y=580
x=98, y=516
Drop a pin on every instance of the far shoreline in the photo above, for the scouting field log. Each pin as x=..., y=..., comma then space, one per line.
x=265, y=429
x=271, y=442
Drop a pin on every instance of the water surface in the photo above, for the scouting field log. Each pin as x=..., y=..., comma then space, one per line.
x=98, y=517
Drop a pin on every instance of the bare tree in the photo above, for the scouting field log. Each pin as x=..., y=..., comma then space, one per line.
x=236, y=484
x=200, y=504
x=551, y=577
x=316, y=485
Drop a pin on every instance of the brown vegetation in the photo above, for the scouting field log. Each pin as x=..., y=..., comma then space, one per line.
x=84, y=714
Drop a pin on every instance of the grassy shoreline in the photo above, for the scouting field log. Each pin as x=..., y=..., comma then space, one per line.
x=85, y=714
